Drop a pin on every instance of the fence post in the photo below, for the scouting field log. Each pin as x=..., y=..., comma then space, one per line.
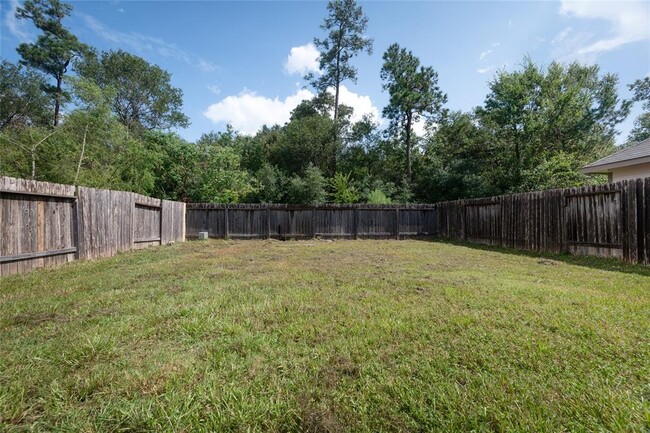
x=75, y=227
x=640, y=221
x=397, y=223
x=226, y=233
x=160, y=223
x=356, y=221
x=268, y=222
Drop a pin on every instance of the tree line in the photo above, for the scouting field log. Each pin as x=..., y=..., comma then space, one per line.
x=71, y=114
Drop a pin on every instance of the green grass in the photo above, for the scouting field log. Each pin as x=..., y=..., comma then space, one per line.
x=327, y=336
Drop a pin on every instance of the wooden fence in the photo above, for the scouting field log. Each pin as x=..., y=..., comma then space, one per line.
x=298, y=222
x=45, y=224
x=610, y=220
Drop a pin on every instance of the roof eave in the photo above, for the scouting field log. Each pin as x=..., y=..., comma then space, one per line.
x=606, y=168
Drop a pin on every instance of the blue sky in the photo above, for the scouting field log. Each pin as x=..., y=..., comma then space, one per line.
x=242, y=62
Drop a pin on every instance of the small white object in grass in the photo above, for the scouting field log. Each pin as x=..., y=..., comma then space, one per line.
x=203, y=235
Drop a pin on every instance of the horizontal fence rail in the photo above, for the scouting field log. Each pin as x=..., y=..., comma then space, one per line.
x=298, y=222
x=610, y=220
x=44, y=224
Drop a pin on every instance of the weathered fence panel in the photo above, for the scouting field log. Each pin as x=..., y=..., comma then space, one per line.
x=610, y=220
x=296, y=222
x=376, y=223
x=36, y=224
x=147, y=219
x=44, y=224
x=172, y=222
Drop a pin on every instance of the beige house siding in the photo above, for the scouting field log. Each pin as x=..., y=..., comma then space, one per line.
x=630, y=172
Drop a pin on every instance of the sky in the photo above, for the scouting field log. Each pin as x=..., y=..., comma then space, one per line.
x=242, y=63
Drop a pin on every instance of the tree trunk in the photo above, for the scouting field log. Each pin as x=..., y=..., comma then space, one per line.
x=59, y=92
x=338, y=84
x=57, y=100
x=336, y=99
x=409, y=174
x=336, y=110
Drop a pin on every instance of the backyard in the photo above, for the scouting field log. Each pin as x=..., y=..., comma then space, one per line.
x=327, y=336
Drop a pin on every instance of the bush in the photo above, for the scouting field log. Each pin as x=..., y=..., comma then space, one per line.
x=343, y=191
x=307, y=189
x=377, y=196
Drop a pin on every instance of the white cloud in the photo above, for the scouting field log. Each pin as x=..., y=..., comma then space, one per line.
x=496, y=44
x=206, y=66
x=302, y=60
x=247, y=112
x=121, y=10
x=360, y=103
x=146, y=44
x=561, y=36
x=485, y=70
x=17, y=27
x=510, y=24
x=214, y=89
x=420, y=127
x=630, y=22
x=484, y=54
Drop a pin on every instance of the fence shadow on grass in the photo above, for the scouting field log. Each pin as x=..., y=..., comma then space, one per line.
x=603, y=264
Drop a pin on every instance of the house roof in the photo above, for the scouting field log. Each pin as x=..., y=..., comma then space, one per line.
x=636, y=154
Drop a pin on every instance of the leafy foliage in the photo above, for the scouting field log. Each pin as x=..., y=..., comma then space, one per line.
x=414, y=93
x=23, y=98
x=308, y=188
x=346, y=25
x=342, y=189
x=532, y=115
x=54, y=49
x=143, y=95
x=641, y=130
x=377, y=196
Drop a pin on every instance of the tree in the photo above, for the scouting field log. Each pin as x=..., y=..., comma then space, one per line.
x=93, y=148
x=459, y=161
x=308, y=188
x=377, y=196
x=343, y=189
x=55, y=49
x=306, y=139
x=23, y=101
x=222, y=179
x=271, y=185
x=28, y=142
x=144, y=97
x=641, y=130
x=414, y=93
x=345, y=24
x=533, y=114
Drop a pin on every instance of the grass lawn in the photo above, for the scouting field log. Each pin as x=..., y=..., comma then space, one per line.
x=327, y=336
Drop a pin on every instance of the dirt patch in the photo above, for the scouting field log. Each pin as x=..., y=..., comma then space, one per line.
x=37, y=318
x=549, y=262
x=338, y=368
x=175, y=289
x=317, y=418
